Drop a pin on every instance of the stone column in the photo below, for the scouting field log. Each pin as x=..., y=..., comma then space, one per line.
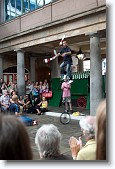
x=2, y=11
x=32, y=68
x=95, y=73
x=20, y=72
x=80, y=65
x=1, y=65
x=55, y=70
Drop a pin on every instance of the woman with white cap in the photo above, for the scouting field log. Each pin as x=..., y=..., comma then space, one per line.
x=87, y=152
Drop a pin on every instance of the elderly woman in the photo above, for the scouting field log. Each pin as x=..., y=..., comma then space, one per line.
x=48, y=140
x=87, y=152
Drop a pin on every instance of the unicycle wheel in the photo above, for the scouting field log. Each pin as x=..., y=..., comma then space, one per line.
x=65, y=118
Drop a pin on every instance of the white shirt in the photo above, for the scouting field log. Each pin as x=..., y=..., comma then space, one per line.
x=5, y=99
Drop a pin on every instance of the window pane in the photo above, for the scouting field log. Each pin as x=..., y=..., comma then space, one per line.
x=47, y=1
x=32, y=4
x=25, y=6
x=7, y=16
x=40, y=3
x=18, y=7
x=12, y=9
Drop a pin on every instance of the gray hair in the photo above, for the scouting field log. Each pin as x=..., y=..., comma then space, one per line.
x=88, y=125
x=48, y=140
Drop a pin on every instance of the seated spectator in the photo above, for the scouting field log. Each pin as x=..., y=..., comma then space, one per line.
x=48, y=140
x=9, y=86
x=35, y=92
x=29, y=87
x=14, y=106
x=45, y=86
x=27, y=103
x=4, y=87
x=5, y=101
x=87, y=152
x=12, y=87
x=0, y=92
x=37, y=85
x=21, y=100
x=21, y=103
x=101, y=131
x=12, y=94
x=1, y=82
x=40, y=87
x=14, y=139
x=36, y=105
x=42, y=106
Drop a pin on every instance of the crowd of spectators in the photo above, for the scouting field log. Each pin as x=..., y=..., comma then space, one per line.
x=31, y=102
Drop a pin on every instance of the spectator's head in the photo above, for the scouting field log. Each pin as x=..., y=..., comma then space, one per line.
x=5, y=92
x=14, y=139
x=36, y=83
x=15, y=98
x=40, y=82
x=87, y=125
x=43, y=98
x=20, y=97
x=1, y=80
x=26, y=96
x=101, y=131
x=13, y=93
x=48, y=140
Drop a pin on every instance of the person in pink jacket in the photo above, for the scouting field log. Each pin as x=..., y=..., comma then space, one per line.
x=66, y=94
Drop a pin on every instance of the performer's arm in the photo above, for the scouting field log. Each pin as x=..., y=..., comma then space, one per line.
x=57, y=55
x=66, y=53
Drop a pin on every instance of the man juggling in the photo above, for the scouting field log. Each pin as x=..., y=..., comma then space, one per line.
x=65, y=52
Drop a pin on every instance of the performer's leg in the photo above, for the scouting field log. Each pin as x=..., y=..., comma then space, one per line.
x=66, y=106
x=62, y=67
x=68, y=70
x=70, y=73
x=70, y=104
x=65, y=103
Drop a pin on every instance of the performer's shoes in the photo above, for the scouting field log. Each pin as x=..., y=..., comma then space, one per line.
x=66, y=111
x=71, y=111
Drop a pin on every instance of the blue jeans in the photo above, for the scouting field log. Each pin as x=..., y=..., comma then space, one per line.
x=66, y=70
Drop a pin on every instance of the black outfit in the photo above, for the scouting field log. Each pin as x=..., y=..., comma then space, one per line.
x=37, y=101
x=67, y=58
x=67, y=62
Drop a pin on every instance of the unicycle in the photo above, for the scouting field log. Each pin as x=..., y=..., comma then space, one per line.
x=65, y=117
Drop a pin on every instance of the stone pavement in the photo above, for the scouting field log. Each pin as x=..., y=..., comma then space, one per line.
x=68, y=130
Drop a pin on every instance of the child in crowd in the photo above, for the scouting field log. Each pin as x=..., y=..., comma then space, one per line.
x=14, y=106
x=42, y=106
